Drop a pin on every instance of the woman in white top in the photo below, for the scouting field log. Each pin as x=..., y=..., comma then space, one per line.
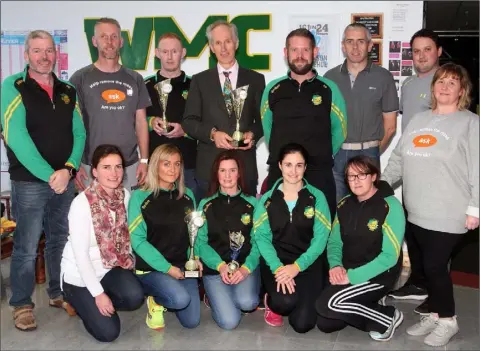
x=97, y=277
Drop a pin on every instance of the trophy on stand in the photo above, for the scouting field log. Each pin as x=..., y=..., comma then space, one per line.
x=164, y=88
x=236, y=244
x=194, y=221
x=239, y=96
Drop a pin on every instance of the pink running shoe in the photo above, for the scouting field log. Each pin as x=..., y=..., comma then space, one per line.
x=271, y=318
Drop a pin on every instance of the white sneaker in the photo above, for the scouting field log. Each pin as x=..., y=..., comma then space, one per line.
x=396, y=321
x=444, y=331
x=427, y=324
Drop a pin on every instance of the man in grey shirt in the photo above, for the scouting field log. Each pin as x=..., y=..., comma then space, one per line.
x=113, y=100
x=415, y=98
x=372, y=102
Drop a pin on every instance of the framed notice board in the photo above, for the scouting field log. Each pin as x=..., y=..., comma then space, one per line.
x=376, y=54
x=373, y=21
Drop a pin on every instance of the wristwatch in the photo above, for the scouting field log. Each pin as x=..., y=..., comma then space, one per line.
x=71, y=170
x=144, y=160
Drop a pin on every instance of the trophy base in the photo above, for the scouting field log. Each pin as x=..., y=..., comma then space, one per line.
x=237, y=143
x=191, y=274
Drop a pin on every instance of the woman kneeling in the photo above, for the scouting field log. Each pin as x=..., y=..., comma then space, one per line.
x=364, y=253
x=225, y=238
x=97, y=260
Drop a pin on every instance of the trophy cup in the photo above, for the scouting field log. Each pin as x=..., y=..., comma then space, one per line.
x=164, y=88
x=239, y=96
x=194, y=221
x=236, y=244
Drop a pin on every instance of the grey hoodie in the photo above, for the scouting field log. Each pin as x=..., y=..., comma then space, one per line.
x=437, y=158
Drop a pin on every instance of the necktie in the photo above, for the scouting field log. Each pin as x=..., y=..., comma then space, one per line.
x=227, y=92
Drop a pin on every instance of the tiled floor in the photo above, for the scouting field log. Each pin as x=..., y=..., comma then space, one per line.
x=56, y=330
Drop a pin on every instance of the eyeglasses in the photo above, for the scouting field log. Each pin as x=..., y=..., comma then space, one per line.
x=359, y=176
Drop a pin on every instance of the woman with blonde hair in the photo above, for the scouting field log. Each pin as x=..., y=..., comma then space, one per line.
x=437, y=159
x=159, y=237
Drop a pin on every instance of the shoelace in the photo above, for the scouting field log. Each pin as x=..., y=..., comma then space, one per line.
x=440, y=330
x=424, y=320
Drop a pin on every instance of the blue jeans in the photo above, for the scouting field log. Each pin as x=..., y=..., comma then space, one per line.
x=123, y=289
x=228, y=301
x=191, y=182
x=181, y=296
x=38, y=209
x=341, y=159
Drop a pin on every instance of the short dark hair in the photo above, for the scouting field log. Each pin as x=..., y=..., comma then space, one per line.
x=301, y=32
x=224, y=156
x=426, y=33
x=365, y=164
x=292, y=148
x=103, y=151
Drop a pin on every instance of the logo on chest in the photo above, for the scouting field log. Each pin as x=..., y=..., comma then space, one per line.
x=309, y=212
x=372, y=224
x=316, y=100
x=246, y=219
x=185, y=94
x=65, y=98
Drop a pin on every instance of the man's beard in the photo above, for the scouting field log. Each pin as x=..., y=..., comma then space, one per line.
x=300, y=71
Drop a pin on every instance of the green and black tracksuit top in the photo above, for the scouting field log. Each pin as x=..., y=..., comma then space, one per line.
x=175, y=109
x=298, y=237
x=224, y=214
x=41, y=135
x=367, y=236
x=158, y=231
x=312, y=114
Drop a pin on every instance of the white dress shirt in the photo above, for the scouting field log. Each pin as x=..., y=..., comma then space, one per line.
x=233, y=75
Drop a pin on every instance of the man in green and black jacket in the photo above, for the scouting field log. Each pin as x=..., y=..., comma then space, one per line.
x=307, y=109
x=44, y=136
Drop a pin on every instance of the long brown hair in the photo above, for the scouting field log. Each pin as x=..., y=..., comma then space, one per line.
x=224, y=156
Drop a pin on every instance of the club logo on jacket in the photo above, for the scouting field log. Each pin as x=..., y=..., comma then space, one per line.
x=185, y=94
x=309, y=212
x=316, y=100
x=372, y=224
x=187, y=211
x=246, y=219
x=65, y=98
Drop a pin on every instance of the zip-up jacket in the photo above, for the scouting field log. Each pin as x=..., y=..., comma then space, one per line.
x=158, y=231
x=312, y=114
x=225, y=214
x=41, y=135
x=174, y=113
x=298, y=237
x=367, y=236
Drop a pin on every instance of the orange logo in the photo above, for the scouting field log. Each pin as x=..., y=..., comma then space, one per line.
x=425, y=140
x=113, y=95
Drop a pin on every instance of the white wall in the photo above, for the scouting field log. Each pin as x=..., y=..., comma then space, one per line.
x=69, y=15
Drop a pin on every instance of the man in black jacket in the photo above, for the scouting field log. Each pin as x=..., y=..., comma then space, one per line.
x=209, y=116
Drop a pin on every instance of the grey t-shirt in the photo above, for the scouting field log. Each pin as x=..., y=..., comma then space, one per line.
x=372, y=94
x=415, y=97
x=109, y=102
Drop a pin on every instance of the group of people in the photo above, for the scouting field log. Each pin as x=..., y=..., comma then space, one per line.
x=322, y=245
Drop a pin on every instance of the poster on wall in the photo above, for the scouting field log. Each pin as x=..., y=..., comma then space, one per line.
x=327, y=39
x=373, y=21
x=12, y=46
x=376, y=54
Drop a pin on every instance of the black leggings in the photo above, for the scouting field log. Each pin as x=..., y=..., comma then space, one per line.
x=126, y=293
x=357, y=305
x=299, y=306
x=436, y=249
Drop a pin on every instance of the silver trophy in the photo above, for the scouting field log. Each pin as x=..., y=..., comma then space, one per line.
x=239, y=96
x=164, y=88
x=236, y=243
x=194, y=221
